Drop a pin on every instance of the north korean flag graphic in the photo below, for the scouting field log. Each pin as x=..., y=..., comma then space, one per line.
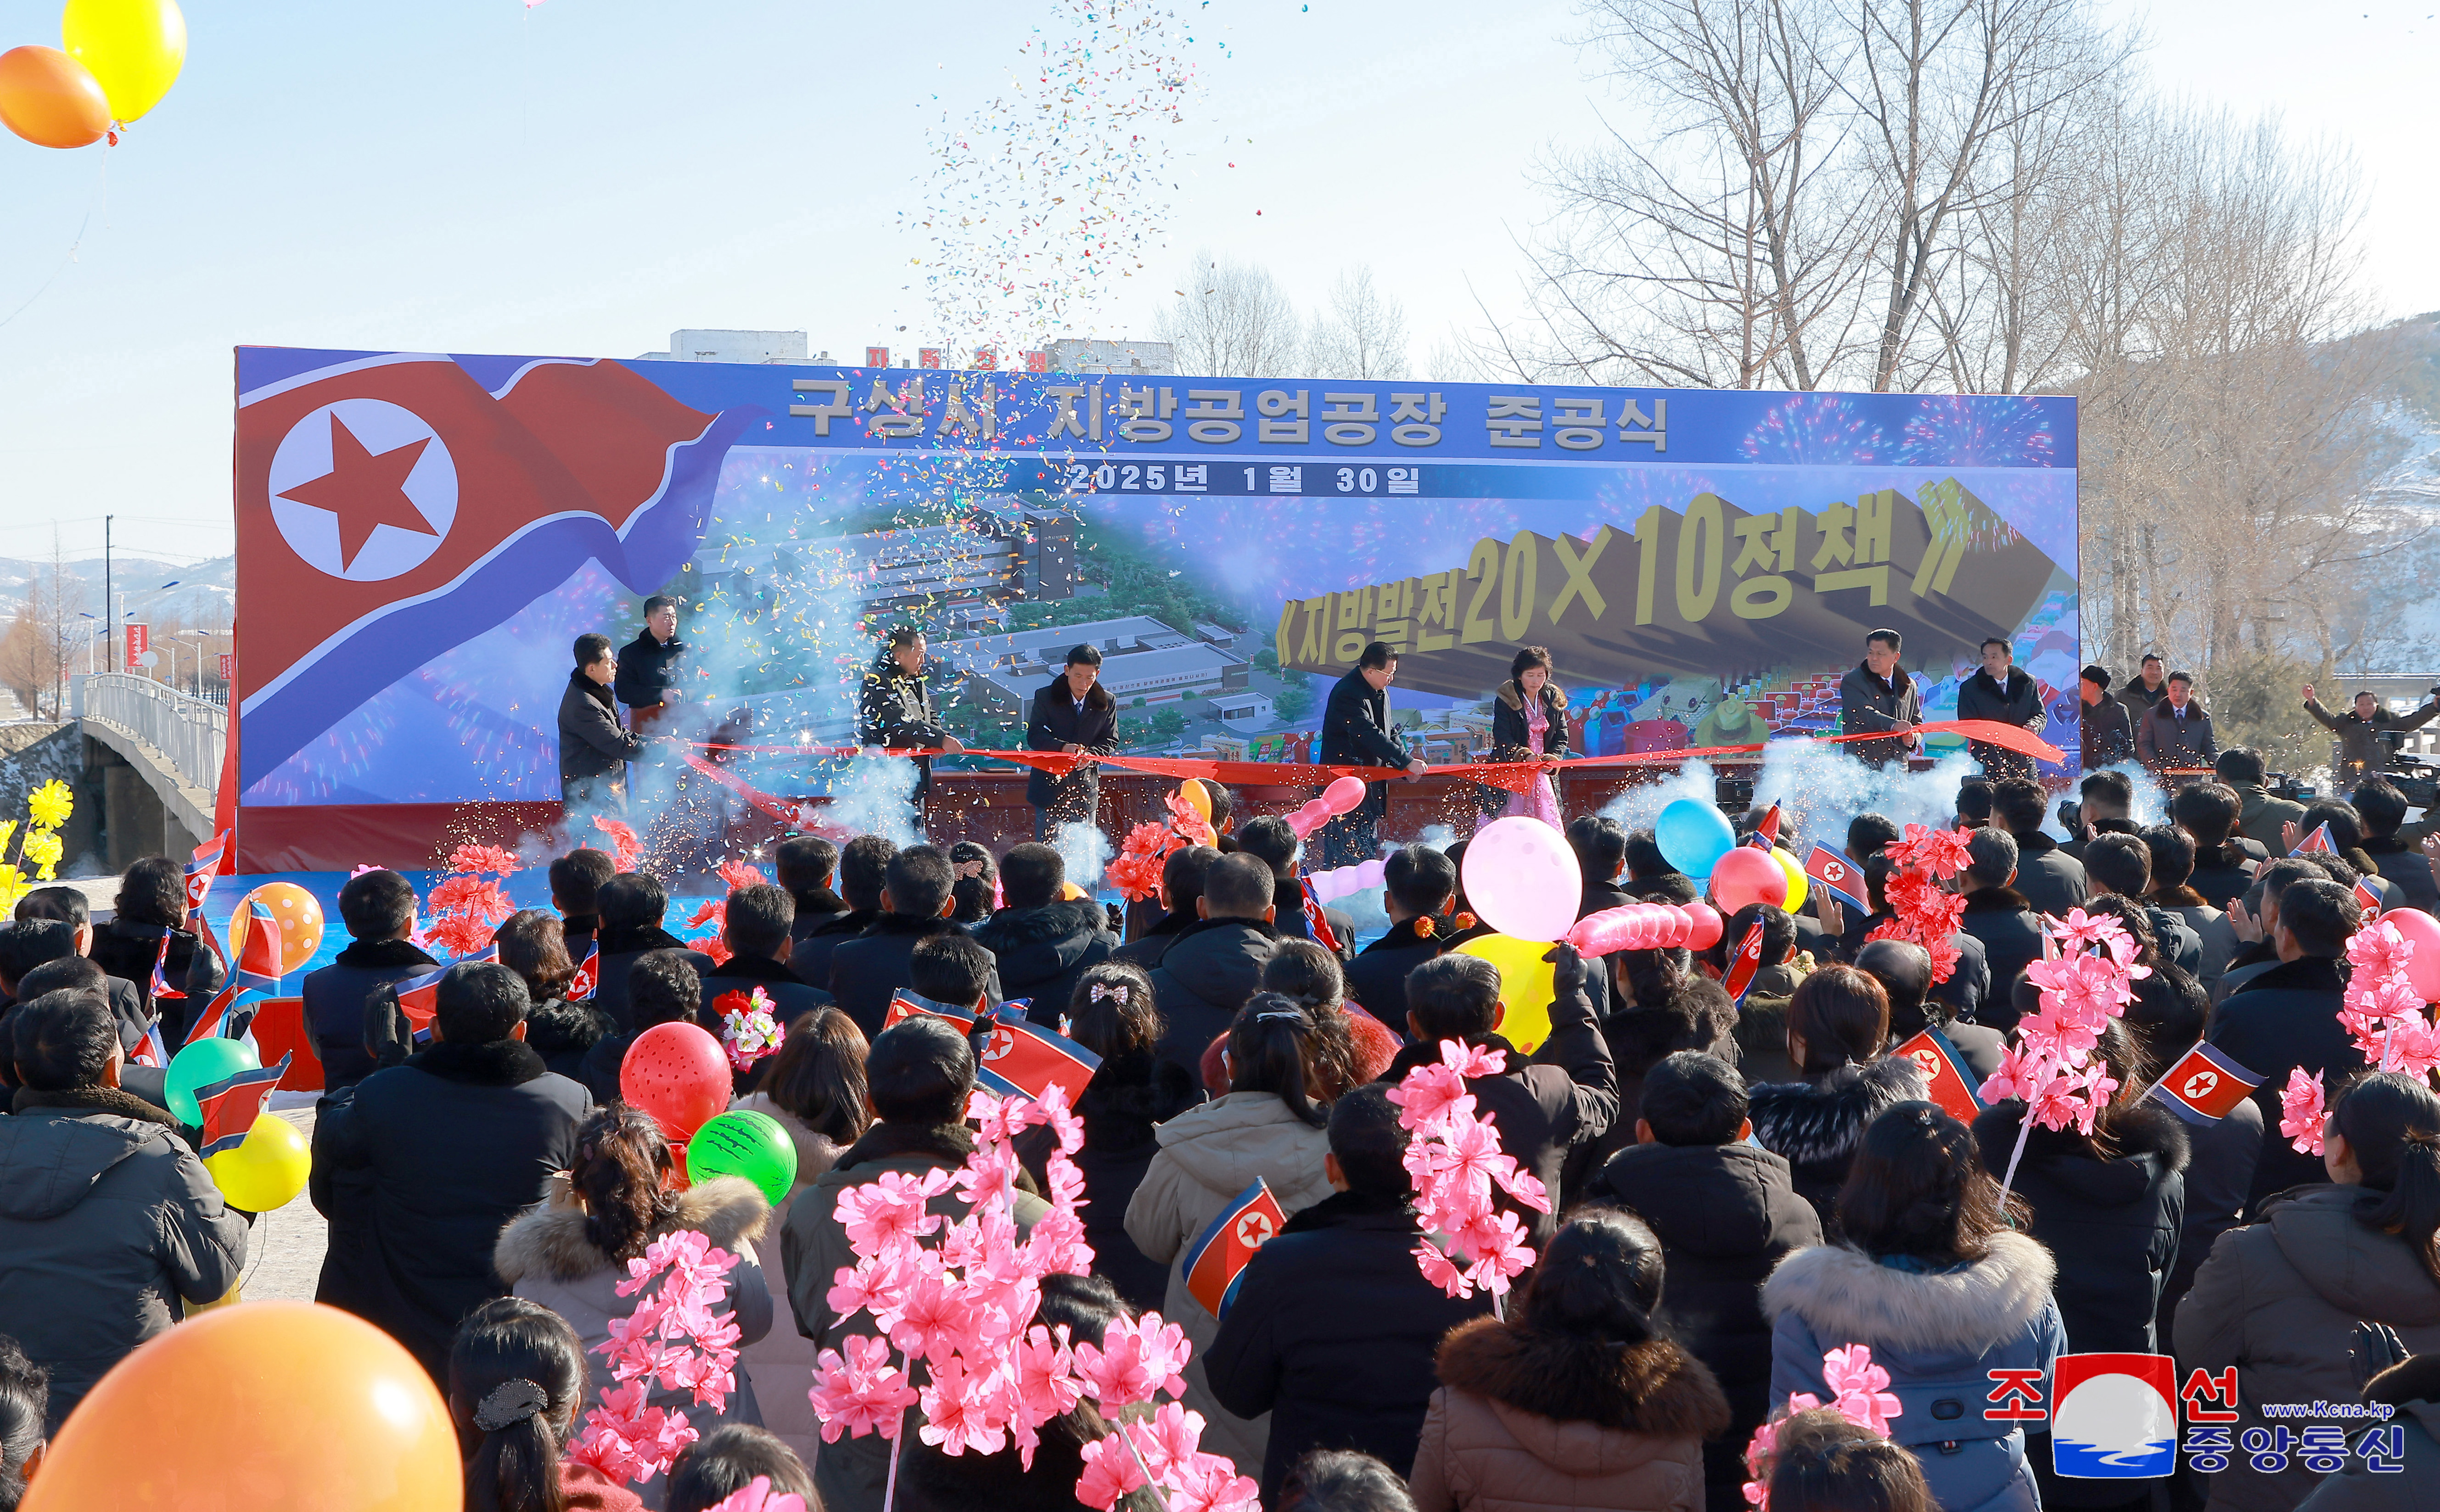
x=205, y=865
x=1954, y=1086
x=589, y=972
x=231, y=1105
x=1744, y=966
x=1766, y=835
x=2371, y=896
x=905, y=1005
x=149, y=1051
x=1033, y=1059
x=160, y=986
x=1217, y=1259
x=257, y=959
x=1837, y=872
x=401, y=500
x=2316, y=843
x=1316, y=922
x=2203, y=1086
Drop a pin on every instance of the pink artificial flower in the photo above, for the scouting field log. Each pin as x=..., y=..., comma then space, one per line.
x=759, y=1497
x=1499, y=1251
x=2380, y=952
x=627, y=1440
x=862, y=1393
x=1860, y=1387
x=1941, y=853
x=935, y=1318
x=739, y=872
x=961, y=1411
x=1045, y=1384
x=1169, y=1440
x=2080, y=929
x=1472, y=1156
x=2301, y=1111
x=988, y=1174
x=890, y=1211
x=1135, y=1360
x=2411, y=1045
x=995, y=1120
x=482, y=858
x=1211, y=1483
x=1428, y=1096
x=2057, y=1037
x=1441, y=1272
x=2022, y=1069
x=1110, y=1473
x=1057, y=1246
x=2395, y=999
x=1471, y=1061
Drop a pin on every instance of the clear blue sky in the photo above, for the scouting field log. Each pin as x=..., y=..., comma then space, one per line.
x=588, y=176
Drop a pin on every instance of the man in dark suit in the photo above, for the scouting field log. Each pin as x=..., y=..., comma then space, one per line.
x=647, y=681
x=894, y=709
x=1357, y=731
x=1075, y=715
x=594, y=748
x=1879, y=695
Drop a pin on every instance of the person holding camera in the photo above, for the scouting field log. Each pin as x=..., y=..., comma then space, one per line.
x=2359, y=730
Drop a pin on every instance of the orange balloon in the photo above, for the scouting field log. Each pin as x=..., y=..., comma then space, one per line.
x=300, y=916
x=51, y=99
x=286, y=1405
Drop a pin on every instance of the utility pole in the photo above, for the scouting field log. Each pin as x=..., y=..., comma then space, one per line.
x=107, y=604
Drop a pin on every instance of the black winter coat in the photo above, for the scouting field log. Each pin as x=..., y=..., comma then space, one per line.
x=592, y=742
x=1563, y=1095
x=459, y=1141
x=109, y=1226
x=334, y=1006
x=1866, y=703
x=867, y=970
x=1208, y=971
x=647, y=671
x=2106, y=735
x=2219, y=1178
x=1727, y=1215
x=1334, y=1333
x=1968, y=989
x=1355, y=728
x=809, y=949
x=1043, y=952
x=813, y=910
x=1147, y=948
x=127, y=949
x=895, y=709
x=2405, y=866
x=1815, y=1126
x=1509, y=739
x=2018, y=703
x=562, y=1033
x=620, y=948
x=2220, y=876
x=788, y=992
x=2012, y=938
x=2284, y=1019
x=1377, y=977
x=2050, y=881
x=1056, y=724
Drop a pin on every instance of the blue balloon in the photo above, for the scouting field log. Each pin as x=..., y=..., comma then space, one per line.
x=1693, y=835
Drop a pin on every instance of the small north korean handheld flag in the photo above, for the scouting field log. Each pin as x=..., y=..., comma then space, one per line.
x=230, y=1106
x=1032, y=1058
x=1217, y=1260
x=1954, y=1086
x=589, y=972
x=1742, y=970
x=1837, y=872
x=2204, y=1085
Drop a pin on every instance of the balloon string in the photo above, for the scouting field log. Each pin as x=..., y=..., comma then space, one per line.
x=100, y=200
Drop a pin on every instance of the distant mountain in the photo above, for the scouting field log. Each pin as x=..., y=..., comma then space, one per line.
x=205, y=595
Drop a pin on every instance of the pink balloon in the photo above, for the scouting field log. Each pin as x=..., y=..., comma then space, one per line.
x=1599, y=935
x=2423, y=967
x=1342, y=795
x=1673, y=927
x=1308, y=818
x=1747, y=875
x=1707, y=927
x=1523, y=879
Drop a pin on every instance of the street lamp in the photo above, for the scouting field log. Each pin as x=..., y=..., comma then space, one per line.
x=188, y=635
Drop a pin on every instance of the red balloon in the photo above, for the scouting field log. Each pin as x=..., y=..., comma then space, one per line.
x=679, y=1075
x=1747, y=875
x=1673, y=926
x=1707, y=925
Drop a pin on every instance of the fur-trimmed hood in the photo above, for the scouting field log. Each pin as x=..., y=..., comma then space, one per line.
x=549, y=1243
x=1845, y=1293
x=1654, y=1387
x=1809, y=1122
x=1554, y=697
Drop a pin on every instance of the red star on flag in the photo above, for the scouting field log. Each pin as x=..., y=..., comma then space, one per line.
x=365, y=490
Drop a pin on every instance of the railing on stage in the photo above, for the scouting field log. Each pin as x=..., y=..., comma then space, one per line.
x=191, y=733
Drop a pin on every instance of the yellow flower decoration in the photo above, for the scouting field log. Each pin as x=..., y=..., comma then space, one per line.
x=8, y=828
x=13, y=887
x=50, y=804
x=42, y=850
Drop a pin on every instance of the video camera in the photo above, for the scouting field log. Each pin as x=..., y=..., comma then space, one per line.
x=2418, y=779
x=2282, y=786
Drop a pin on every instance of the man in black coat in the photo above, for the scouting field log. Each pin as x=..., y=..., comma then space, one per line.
x=1878, y=695
x=632, y=906
x=2052, y=882
x=2104, y=727
x=754, y=927
x=1075, y=715
x=1726, y=1211
x=1564, y=1094
x=2287, y=1017
x=576, y=882
x=1357, y=731
x=916, y=902
x=1600, y=845
x=594, y=748
x=2122, y=864
x=1334, y=1329
x=2149, y=687
x=894, y=709
x=2005, y=695
x=110, y=1227
x=807, y=866
x=2383, y=810
x=863, y=872
x=379, y=910
x=650, y=666
x=2224, y=860
x=1212, y=966
x=1996, y=913
x=459, y=1140
x=1417, y=883
x=66, y=906
x=1267, y=837
x=1043, y=943
x=1181, y=890
x=1904, y=970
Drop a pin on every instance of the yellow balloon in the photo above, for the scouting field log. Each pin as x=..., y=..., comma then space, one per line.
x=268, y=1170
x=1526, y=988
x=134, y=48
x=1799, y=888
x=1198, y=798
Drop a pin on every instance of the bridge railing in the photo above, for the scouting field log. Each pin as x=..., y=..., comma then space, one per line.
x=191, y=734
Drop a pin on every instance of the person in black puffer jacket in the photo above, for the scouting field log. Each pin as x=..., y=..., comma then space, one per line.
x=378, y=910
x=916, y=901
x=152, y=901
x=532, y=946
x=1112, y=1015
x=632, y=906
x=2109, y=1206
x=1042, y=941
x=1656, y=1005
x=1171, y=911
x=1837, y=1024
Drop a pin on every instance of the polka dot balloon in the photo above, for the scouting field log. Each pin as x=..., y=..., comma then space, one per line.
x=296, y=911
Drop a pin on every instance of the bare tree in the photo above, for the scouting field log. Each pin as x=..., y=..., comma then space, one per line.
x=1361, y=332
x=1230, y=317
x=36, y=652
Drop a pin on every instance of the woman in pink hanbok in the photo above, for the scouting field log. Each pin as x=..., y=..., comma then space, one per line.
x=1529, y=723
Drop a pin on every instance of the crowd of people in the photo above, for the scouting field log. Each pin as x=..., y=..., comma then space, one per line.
x=1739, y=1185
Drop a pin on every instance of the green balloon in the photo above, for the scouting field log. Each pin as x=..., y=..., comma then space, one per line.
x=201, y=1064
x=746, y=1144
